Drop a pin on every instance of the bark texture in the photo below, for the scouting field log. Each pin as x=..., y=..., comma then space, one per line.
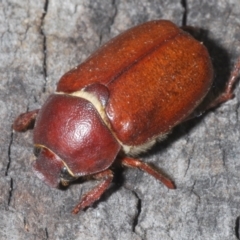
x=40, y=41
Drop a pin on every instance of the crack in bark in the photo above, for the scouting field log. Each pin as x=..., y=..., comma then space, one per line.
x=189, y=160
x=111, y=22
x=10, y=192
x=139, y=209
x=237, y=224
x=9, y=153
x=184, y=19
x=26, y=227
x=112, y=19
x=45, y=9
x=46, y=232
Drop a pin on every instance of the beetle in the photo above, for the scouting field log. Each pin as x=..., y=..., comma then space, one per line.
x=118, y=103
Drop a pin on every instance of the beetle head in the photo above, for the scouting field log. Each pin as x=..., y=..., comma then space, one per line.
x=51, y=169
x=72, y=139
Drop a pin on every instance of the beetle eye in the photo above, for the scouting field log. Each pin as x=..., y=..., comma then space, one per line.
x=36, y=151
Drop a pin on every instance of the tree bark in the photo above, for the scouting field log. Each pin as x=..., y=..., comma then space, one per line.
x=40, y=41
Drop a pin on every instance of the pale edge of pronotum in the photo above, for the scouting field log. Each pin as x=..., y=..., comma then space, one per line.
x=129, y=150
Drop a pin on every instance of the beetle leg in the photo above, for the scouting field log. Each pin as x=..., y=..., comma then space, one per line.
x=135, y=163
x=226, y=95
x=25, y=121
x=92, y=196
x=228, y=92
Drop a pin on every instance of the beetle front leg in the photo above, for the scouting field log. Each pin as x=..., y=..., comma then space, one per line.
x=135, y=163
x=92, y=196
x=25, y=121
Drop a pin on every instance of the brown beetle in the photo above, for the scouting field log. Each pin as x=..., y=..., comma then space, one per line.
x=118, y=103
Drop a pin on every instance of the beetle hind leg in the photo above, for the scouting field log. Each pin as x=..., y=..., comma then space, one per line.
x=93, y=195
x=228, y=92
x=226, y=95
x=135, y=163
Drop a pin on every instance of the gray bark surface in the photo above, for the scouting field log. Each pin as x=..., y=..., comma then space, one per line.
x=40, y=41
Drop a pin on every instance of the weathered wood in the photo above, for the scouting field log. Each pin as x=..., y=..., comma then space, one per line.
x=40, y=40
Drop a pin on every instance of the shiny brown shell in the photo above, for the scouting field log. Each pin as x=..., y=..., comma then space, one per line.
x=156, y=75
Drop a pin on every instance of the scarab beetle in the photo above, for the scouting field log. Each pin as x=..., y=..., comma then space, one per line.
x=126, y=96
